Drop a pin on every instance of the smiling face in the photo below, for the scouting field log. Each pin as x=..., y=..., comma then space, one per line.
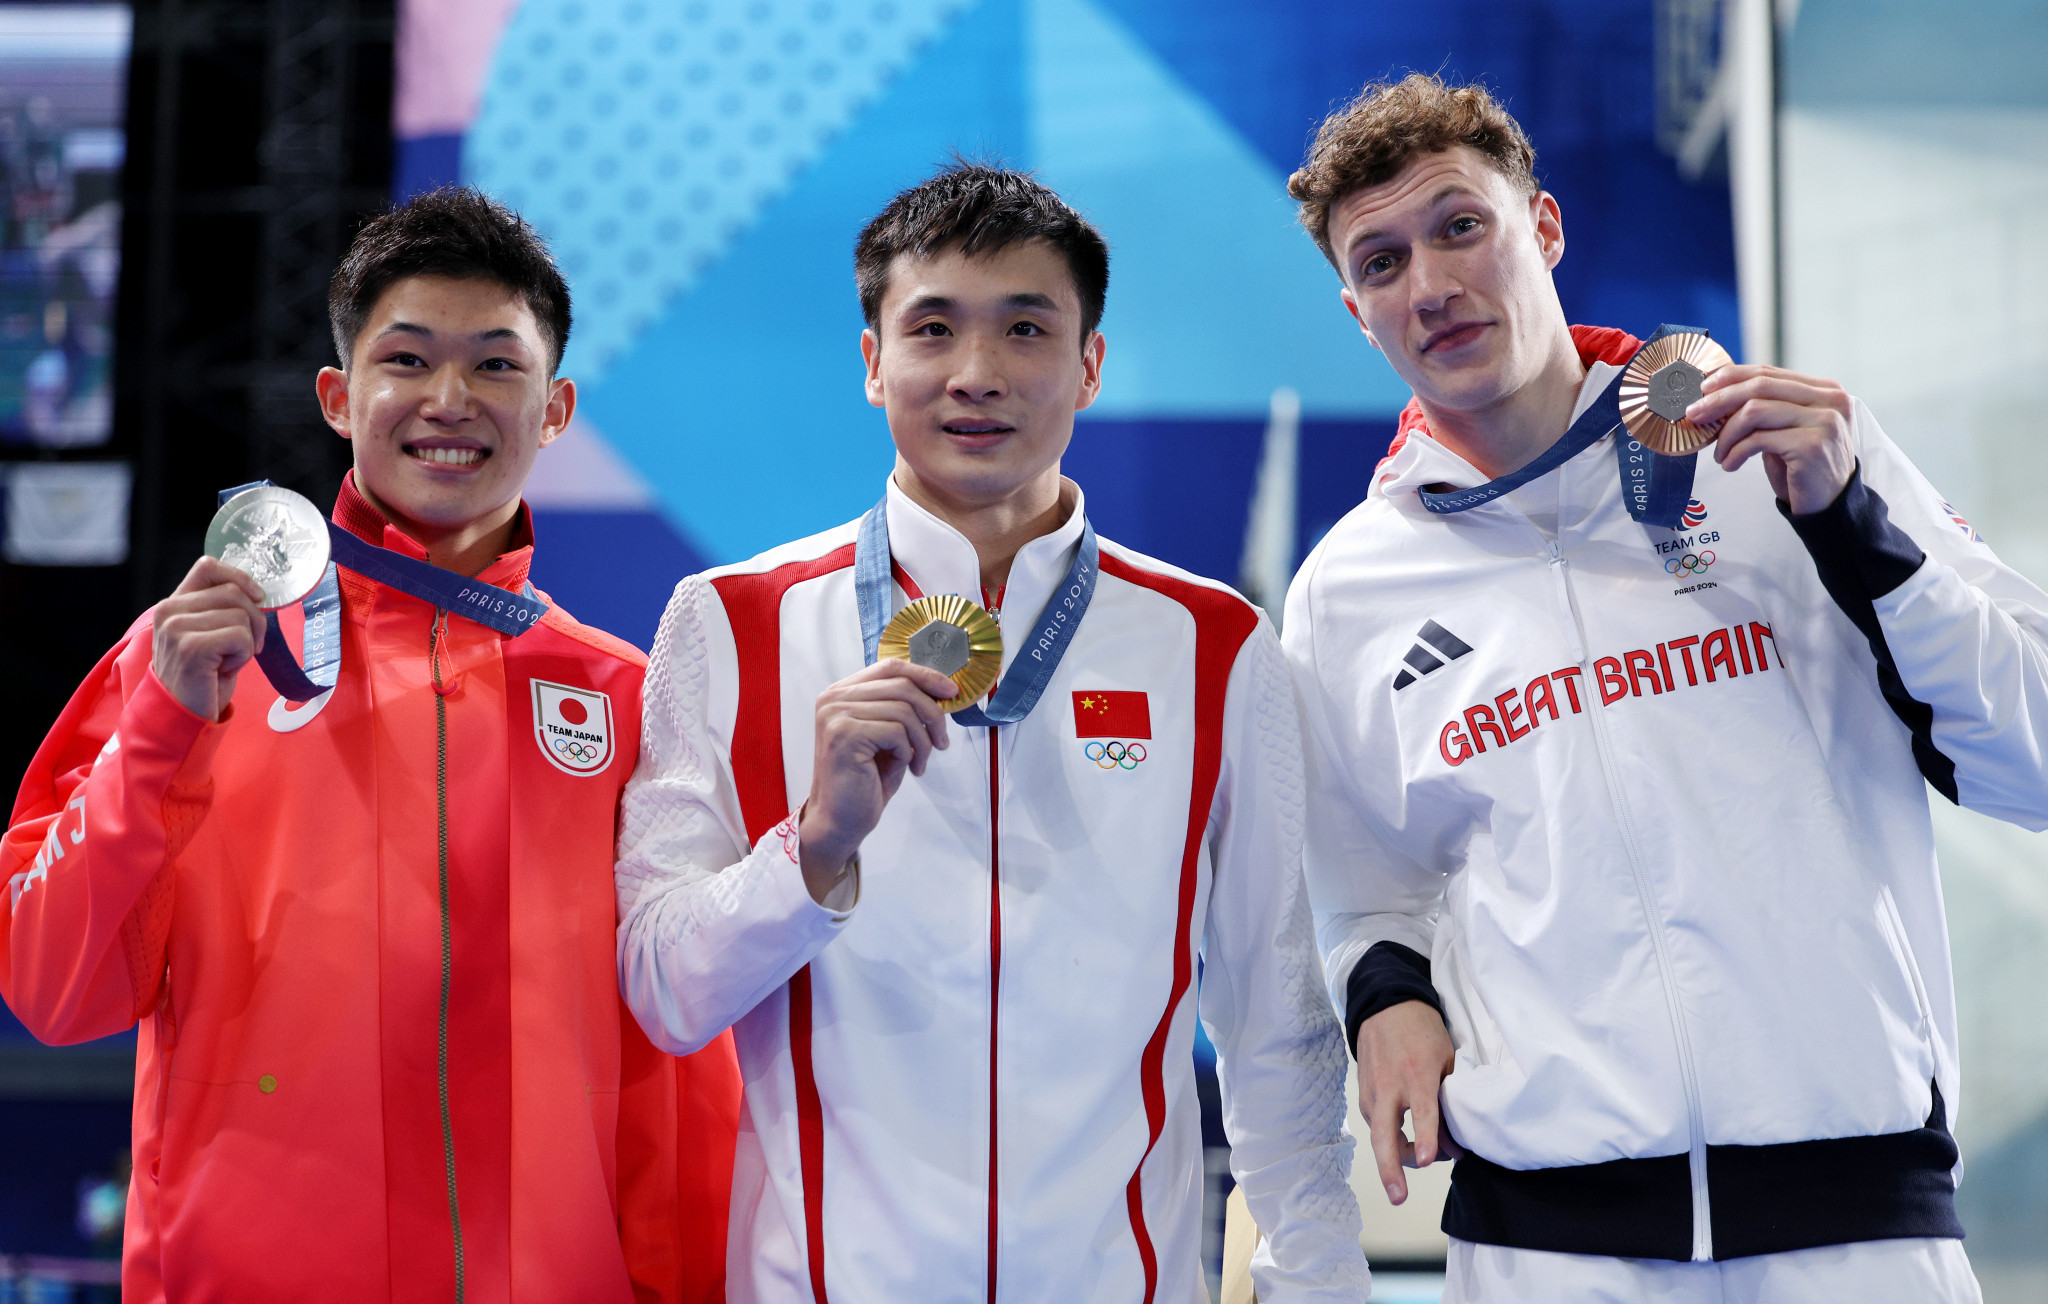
x=447, y=400
x=1447, y=269
x=981, y=365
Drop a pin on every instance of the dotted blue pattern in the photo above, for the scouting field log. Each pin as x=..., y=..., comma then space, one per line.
x=644, y=138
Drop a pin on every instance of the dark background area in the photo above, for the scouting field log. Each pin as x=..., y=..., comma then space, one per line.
x=258, y=139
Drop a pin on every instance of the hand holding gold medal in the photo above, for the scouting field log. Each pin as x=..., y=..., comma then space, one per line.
x=951, y=635
x=1661, y=382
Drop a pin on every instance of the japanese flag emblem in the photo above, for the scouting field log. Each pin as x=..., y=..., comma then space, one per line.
x=573, y=727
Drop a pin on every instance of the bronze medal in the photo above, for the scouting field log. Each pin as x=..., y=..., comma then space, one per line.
x=951, y=635
x=1661, y=383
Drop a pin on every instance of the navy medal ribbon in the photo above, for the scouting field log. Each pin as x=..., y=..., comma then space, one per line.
x=487, y=604
x=1655, y=488
x=1034, y=665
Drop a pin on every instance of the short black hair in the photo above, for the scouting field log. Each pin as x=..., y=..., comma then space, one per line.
x=981, y=208
x=457, y=232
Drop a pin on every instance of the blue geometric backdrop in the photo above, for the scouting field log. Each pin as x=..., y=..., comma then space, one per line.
x=702, y=168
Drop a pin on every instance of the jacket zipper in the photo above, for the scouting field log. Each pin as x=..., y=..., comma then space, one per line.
x=435, y=642
x=1596, y=709
x=995, y=986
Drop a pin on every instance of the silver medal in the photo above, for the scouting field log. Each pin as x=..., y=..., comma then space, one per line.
x=277, y=537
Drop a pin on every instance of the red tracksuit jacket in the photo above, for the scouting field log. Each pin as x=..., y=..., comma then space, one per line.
x=262, y=895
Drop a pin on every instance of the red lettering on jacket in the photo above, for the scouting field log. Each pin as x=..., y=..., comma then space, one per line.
x=1569, y=677
x=1613, y=684
x=1509, y=709
x=1641, y=663
x=1515, y=714
x=1724, y=657
x=1758, y=633
x=1684, y=646
x=1481, y=717
x=1453, y=734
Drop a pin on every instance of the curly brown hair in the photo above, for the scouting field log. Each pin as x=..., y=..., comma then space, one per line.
x=1369, y=141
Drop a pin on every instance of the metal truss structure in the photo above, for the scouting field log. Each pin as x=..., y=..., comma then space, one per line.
x=259, y=138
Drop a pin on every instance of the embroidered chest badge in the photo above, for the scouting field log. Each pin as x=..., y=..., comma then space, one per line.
x=573, y=727
x=1687, y=554
x=1434, y=646
x=1113, y=726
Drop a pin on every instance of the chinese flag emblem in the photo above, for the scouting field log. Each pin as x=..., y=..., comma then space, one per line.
x=1112, y=714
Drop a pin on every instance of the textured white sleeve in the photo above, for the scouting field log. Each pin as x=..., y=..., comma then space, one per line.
x=1280, y=1051
x=708, y=926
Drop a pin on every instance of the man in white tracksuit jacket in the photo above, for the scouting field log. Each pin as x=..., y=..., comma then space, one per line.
x=960, y=961
x=1630, y=787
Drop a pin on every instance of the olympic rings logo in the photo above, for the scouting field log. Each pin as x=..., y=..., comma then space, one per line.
x=1115, y=755
x=571, y=750
x=1693, y=563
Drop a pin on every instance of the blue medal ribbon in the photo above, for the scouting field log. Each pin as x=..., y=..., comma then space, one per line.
x=1033, y=667
x=322, y=608
x=1655, y=488
x=487, y=604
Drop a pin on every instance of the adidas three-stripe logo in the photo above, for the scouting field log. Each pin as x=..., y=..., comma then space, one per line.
x=1436, y=645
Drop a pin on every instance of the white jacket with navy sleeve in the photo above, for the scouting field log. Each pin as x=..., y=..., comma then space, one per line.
x=1644, y=811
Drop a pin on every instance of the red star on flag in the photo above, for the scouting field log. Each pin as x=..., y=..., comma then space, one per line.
x=1112, y=713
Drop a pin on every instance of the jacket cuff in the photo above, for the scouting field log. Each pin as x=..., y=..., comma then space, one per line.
x=158, y=726
x=1386, y=975
x=784, y=845
x=1860, y=554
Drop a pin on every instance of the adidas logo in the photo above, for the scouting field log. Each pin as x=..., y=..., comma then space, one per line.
x=1437, y=646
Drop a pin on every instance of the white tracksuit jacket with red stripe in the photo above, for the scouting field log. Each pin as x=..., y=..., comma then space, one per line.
x=976, y=1083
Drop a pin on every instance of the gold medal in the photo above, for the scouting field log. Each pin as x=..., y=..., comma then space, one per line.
x=953, y=636
x=1661, y=383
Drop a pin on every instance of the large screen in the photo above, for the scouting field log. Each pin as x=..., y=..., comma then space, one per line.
x=63, y=87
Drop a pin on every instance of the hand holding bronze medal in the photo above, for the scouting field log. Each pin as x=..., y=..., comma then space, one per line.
x=276, y=537
x=953, y=636
x=1663, y=381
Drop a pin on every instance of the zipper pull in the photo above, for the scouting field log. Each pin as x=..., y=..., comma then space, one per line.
x=437, y=641
x=1561, y=585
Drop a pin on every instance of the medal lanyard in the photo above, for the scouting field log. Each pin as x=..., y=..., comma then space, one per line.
x=487, y=604
x=1656, y=488
x=1029, y=674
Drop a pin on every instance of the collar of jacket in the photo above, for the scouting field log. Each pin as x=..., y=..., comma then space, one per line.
x=1415, y=458
x=939, y=559
x=353, y=512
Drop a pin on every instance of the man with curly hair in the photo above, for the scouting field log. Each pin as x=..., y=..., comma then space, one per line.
x=1618, y=836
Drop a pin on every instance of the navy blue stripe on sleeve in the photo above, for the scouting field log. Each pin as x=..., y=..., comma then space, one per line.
x=1386, y=975
x=1861, y=557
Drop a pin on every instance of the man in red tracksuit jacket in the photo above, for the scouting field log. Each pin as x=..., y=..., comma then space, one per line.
x=369, y=938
